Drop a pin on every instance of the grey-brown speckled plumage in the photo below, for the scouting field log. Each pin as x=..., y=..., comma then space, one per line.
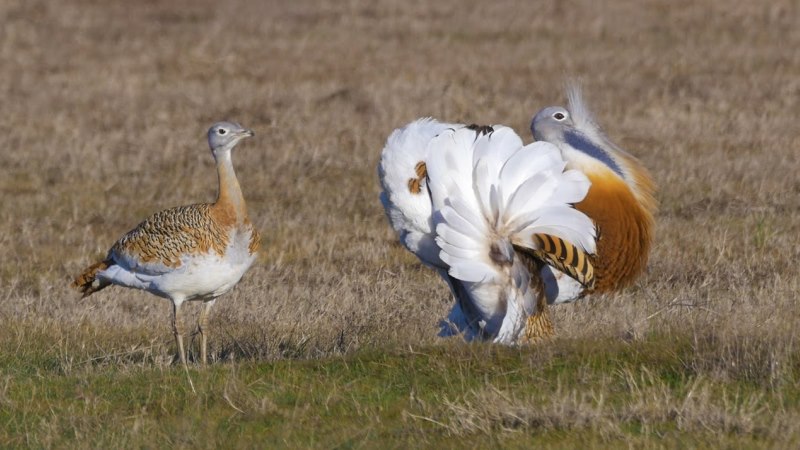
x=170, y=234
x=193, y=252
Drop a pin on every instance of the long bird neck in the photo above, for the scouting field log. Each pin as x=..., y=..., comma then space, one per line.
x=230, y=205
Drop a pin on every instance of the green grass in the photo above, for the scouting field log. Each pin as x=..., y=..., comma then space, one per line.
x=567, y=394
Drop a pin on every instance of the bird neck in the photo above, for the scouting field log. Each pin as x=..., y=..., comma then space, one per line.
x=630, y=172
x=230, y=206
x=582, y=145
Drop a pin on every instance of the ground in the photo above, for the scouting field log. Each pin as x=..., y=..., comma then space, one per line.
x=330, y=340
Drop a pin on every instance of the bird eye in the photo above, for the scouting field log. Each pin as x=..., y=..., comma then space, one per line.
x=221, y=131
x=559, y=116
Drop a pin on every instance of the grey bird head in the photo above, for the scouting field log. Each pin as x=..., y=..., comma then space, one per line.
x=549, y=124
x=573, y=129
x=225, y=135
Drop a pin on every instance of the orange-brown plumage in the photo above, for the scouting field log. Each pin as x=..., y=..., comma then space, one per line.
x=85, y=282
x=625, y=227
x=620, y=200
x=564, y=256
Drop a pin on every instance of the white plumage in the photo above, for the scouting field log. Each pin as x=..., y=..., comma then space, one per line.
x=202, y=276
x=486, y=196
x=409, y=212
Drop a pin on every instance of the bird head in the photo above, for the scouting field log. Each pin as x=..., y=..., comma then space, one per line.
x=223, y=136
x=549, y=124
x=585, y=147
x=575, y=133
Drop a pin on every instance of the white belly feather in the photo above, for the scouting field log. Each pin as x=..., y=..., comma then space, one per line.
x=202, y=276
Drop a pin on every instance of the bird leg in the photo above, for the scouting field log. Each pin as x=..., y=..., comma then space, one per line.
x=177, y=330
x=202, y=327
x=539, y=326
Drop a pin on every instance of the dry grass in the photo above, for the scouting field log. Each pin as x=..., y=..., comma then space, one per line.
x=699, y=409
x=105, y=105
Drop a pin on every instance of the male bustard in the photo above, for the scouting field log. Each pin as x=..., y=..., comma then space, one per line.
x=620, y=202
x=195, y=252
x=486, y=212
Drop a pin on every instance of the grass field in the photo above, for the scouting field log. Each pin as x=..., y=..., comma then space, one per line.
x=329, y=341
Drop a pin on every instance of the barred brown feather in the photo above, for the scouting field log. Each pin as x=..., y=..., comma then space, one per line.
x=87, y=282
x=565, y=257
x=539, y=326
x=171, y=233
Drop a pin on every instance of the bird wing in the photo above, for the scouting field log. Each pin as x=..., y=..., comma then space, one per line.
x=157, y=245
x=492, y=195
x=565, y=257
x=405, y=195
x=486, y=206
x=560, y=287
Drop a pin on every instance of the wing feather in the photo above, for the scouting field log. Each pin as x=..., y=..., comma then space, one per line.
x=490, y=196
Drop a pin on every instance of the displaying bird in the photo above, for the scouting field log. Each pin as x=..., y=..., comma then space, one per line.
x=188, y=253
x=620, y=201
x=486, y=213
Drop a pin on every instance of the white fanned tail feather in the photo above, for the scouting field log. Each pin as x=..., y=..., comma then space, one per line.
x=489, y=194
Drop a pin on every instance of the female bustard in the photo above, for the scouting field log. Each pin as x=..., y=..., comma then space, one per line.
x=195, y=252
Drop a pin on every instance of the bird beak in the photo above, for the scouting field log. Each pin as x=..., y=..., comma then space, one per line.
x=247, y=133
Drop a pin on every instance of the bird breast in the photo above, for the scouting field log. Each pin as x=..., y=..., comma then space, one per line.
x=625, y=230
x=241, y=248
x=207, y=275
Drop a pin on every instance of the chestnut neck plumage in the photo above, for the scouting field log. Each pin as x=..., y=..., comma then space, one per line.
x=623, y=212
x=230, y=201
